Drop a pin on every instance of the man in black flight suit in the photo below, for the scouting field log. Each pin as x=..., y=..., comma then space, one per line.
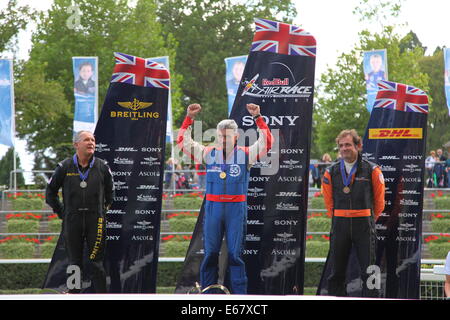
x=87, y=192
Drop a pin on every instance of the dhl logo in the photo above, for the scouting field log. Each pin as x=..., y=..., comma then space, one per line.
x=396, y=133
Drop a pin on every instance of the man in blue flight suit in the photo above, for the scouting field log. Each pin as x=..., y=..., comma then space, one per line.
x=227, y=176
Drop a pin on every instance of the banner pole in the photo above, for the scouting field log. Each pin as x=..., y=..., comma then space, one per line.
x=13, y=125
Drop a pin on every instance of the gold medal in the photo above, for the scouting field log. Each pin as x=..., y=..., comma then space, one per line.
x=223, y=175
x=346, y=190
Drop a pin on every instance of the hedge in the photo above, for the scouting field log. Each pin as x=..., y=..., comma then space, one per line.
x=19, y=250
x=22, y=204
x=316, y=249
x=28, y=278
x=22, y=226
x=187, y=202
x=442, y=203
x=317, y=203
x=47, y=249
x=440, y=225
x=439, y=250
x=175, y=248
x=317, y=224
x=54, y=225
x=182, y=224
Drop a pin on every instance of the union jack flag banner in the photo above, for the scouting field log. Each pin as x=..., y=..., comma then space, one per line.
x=282, y=38
x=140, y=72
x=401, y=97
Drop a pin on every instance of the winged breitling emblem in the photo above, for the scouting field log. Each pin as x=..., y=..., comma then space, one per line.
x=135, y=105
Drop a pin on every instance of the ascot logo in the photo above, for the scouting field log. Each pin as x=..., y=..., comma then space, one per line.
x=134, y=114
x=290, y=179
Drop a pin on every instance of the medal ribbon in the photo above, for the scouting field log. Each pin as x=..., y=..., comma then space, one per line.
x=347, y=179
x=83, y=176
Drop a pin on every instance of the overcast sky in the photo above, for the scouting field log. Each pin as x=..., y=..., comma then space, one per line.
x=331, y=22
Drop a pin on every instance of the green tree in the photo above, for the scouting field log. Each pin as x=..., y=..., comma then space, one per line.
x=91, y=28
x=43, y=116
x=438, y=132
x=7, y=165
x=13, y=18
x=207, y=32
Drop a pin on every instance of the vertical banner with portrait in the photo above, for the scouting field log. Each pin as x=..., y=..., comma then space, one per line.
x=447, y=76
x=234, y=69
x=85, y=71
x=131, y=137
x=279, y=77
x=6, y=103
x=375, y=68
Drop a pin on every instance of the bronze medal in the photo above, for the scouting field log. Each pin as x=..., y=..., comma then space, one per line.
x=223, y=175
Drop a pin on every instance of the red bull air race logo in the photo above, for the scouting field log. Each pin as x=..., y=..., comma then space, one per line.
x=284, y=87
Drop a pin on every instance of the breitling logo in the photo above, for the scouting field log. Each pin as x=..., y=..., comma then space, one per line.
x=134, y=112
x=135, y=105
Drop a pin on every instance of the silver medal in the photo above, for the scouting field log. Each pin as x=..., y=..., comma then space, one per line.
x=83, y=184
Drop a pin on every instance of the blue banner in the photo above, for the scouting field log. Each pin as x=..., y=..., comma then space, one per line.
x=6, y=103
x=85, y=71
x=234, y=70
x=375, y=68
x=447, y=76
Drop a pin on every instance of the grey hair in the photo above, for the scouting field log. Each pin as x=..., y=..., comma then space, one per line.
x=228, y=124
x=77, y=135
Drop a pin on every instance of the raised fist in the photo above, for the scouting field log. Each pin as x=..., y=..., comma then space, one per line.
x=193, y=109
x=253, y=109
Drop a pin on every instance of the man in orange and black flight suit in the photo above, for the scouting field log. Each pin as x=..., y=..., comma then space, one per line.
x=353, y=190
